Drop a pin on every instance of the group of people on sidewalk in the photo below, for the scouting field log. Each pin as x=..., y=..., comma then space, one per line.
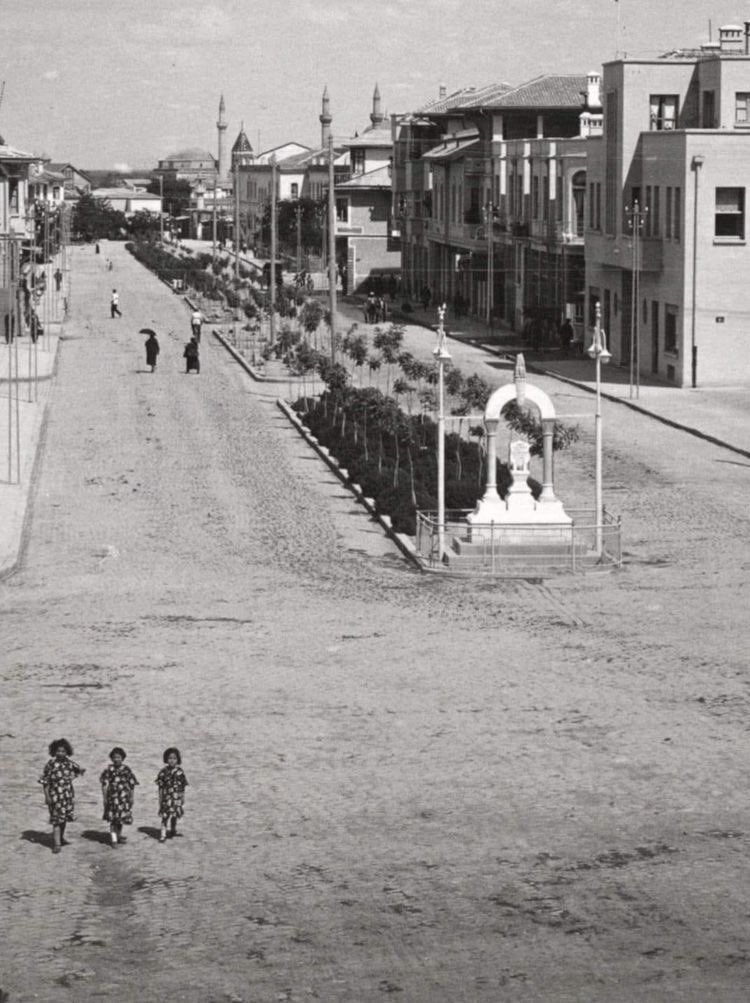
x=191, y=352
x=118, y=783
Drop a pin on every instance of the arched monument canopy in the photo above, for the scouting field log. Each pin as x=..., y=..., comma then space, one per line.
x=503, y=395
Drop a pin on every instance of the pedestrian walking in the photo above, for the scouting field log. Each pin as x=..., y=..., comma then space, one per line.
x=118, y=783
x=196, y=322
x=114, y=304
x=98, y=250
x=110, y=266
x=57, y=783
x=566, y=335
x=192, y=356
x=152, y=350
x=171, y=782
x=58, y=276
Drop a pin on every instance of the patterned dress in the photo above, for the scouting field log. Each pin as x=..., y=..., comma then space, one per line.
x=172, y=783
x=57, y=780
x=118, y=783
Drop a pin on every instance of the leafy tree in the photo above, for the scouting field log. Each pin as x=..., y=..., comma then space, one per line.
x=95, y=219
x=311, y=226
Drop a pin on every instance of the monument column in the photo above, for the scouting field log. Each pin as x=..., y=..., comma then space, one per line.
x=490, y=493
x=548, y=490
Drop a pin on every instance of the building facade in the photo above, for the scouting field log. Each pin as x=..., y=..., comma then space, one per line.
x=666, y=236
x=490, y=190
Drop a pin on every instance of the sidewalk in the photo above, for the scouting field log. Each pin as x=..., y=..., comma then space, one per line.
x=22, y=428
x=716, y=414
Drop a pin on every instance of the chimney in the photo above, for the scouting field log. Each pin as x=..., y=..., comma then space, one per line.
x=442, y=91
x=731, y=38
x=593, y=89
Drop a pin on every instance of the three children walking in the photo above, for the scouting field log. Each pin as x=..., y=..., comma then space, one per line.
x=118, y=783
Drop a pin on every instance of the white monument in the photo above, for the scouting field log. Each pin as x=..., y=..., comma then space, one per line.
x=505, y=519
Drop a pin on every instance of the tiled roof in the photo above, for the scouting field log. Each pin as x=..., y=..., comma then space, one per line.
x=372, y=179
x=451, y=148
x=463, y=98
x=373, y=137
x=10, y=153
x=548, y=91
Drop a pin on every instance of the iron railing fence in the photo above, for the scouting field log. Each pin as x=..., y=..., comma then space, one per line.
x=581, y=547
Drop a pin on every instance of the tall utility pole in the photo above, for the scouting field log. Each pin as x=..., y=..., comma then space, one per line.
x=332, y=248
x=236, y=192
x=273, y=250
x=213, y=224
x=161, y=208
x=298, y=213
x=489, y=216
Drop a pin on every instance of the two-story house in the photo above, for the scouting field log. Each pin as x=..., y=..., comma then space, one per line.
x=492, y=212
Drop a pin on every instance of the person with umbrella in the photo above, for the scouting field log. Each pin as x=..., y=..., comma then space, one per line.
x=152, y=347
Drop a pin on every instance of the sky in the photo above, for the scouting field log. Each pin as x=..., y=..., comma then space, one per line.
x=108, y=84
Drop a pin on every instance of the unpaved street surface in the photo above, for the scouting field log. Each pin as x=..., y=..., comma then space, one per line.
x=399, y=785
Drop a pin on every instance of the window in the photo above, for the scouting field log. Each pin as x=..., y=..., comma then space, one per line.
x=342, y=210
x=677, y=218
x=730, y=213
x=668, y=215
x=598, y=205
x=670, y=329
x=592, y=207
x=535, y=197
x=655, y=212
x=358, y=161
x=708, y=113
x=742, y=108
x=647, y=215
x=663, y=111
x=294, y=190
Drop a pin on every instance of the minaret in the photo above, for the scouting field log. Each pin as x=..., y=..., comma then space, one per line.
x=221, y=125
x=325, y=119
x=377, y=116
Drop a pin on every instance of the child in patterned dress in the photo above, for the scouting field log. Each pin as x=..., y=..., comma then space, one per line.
x=172, y=783
x=57, y=782
x=118, y=782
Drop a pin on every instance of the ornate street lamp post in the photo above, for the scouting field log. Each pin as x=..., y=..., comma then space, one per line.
x=695, y=165
x=636, y=218
x=598, y=352
x=441, y=356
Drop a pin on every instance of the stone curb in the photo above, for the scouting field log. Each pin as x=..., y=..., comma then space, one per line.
x=706, y=436
x=639, y=408
x=402, y=541
x=259, y=377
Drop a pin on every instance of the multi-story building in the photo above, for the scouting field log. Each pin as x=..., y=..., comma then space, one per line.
x=490, y=191
x=365, y=245
x=16, y=209
x=670, y=276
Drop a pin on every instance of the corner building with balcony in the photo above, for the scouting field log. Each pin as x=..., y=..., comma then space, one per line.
x=490, y=191
x=670, y=279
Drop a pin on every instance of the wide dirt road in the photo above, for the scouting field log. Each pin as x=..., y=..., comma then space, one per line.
x=398, y=785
